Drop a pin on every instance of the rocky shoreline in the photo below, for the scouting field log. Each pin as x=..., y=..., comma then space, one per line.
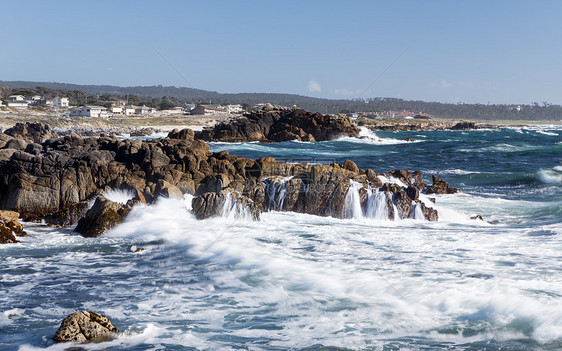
x=44, y=176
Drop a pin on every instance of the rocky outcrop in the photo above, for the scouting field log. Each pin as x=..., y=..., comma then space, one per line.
x=440, y=186
x=33, y=132
x=322, y=190
x=464, y=126
x=85, y=326
x=275, y=123
x=104, y=215
x=10, y=227
x=407, y=125
x=56, y=179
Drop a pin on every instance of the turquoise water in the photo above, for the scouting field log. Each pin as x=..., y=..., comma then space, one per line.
x=295, y=281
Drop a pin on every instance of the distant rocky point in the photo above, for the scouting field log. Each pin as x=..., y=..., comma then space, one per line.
x=407, y=125
x=277, y=123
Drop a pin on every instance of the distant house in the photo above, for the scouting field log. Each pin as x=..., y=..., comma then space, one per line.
x=89, y=111
x=208, y=110
x=61, y=102
x=34, y=98
x=16, y=98
x=234, y=108
x=129, y=110
x=18, y=104
x=116, y=110
x=144, y=110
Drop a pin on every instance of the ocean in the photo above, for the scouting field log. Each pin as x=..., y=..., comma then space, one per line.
x=302, y=282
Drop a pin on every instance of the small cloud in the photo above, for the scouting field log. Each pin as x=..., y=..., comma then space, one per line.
x=314, y=86
x=445, y=84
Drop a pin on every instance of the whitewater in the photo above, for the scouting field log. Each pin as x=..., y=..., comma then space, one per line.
x=297, y=281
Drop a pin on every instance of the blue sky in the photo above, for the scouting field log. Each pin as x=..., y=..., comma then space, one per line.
x=467, y=51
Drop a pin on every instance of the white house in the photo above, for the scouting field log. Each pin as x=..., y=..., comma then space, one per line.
x=144, y=110
x=18, y=104
x=16, y=98
x=89, y=111
x=234, y=108
x=61, y=102
x=116, y=110
x=129, y=110
x=34, y=98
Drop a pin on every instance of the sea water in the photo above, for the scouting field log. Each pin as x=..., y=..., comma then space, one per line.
x=296, y=281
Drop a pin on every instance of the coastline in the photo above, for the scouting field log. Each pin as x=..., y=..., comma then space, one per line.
x=166, y=122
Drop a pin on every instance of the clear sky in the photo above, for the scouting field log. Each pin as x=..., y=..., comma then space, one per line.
x=468, y=51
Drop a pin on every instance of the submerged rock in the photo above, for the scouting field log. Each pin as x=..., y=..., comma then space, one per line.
x=85, y=326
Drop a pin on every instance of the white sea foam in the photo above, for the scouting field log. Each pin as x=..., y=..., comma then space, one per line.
x=118, y=195
x=452, y=171
x=367, y=136
x=295, y=280
x=548, y=176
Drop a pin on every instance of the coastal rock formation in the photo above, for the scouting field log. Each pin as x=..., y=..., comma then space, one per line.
x=10, y=227
x=440, y=186
x=275, y=123
x=85, y=326
x=104, y=215
x=55, y=180
x=407, y=125
x=33, y=132
x=337, y=190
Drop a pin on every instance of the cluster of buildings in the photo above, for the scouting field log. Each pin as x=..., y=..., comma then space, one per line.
x=216, y=109
x=105, y=112
x=23, y=102
x=114, y=108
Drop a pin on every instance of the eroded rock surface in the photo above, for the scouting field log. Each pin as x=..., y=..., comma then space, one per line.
x=275, y=123
x=85, y=326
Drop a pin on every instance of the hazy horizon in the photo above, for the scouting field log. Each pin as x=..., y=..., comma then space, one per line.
x=503, y=52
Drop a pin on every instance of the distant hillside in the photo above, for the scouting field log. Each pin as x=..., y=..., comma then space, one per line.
x=534, y=111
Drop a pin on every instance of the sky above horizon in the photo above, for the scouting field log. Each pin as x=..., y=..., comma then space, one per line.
x=449, y=51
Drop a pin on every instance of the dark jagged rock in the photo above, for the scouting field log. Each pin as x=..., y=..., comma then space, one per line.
x=275, y=124
x=34, y=132
x=440, y=186
x=215, y=204
x=104, y=215
x=464, y=126
x=85, y=326
x=69, y=216
x=142, y=132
